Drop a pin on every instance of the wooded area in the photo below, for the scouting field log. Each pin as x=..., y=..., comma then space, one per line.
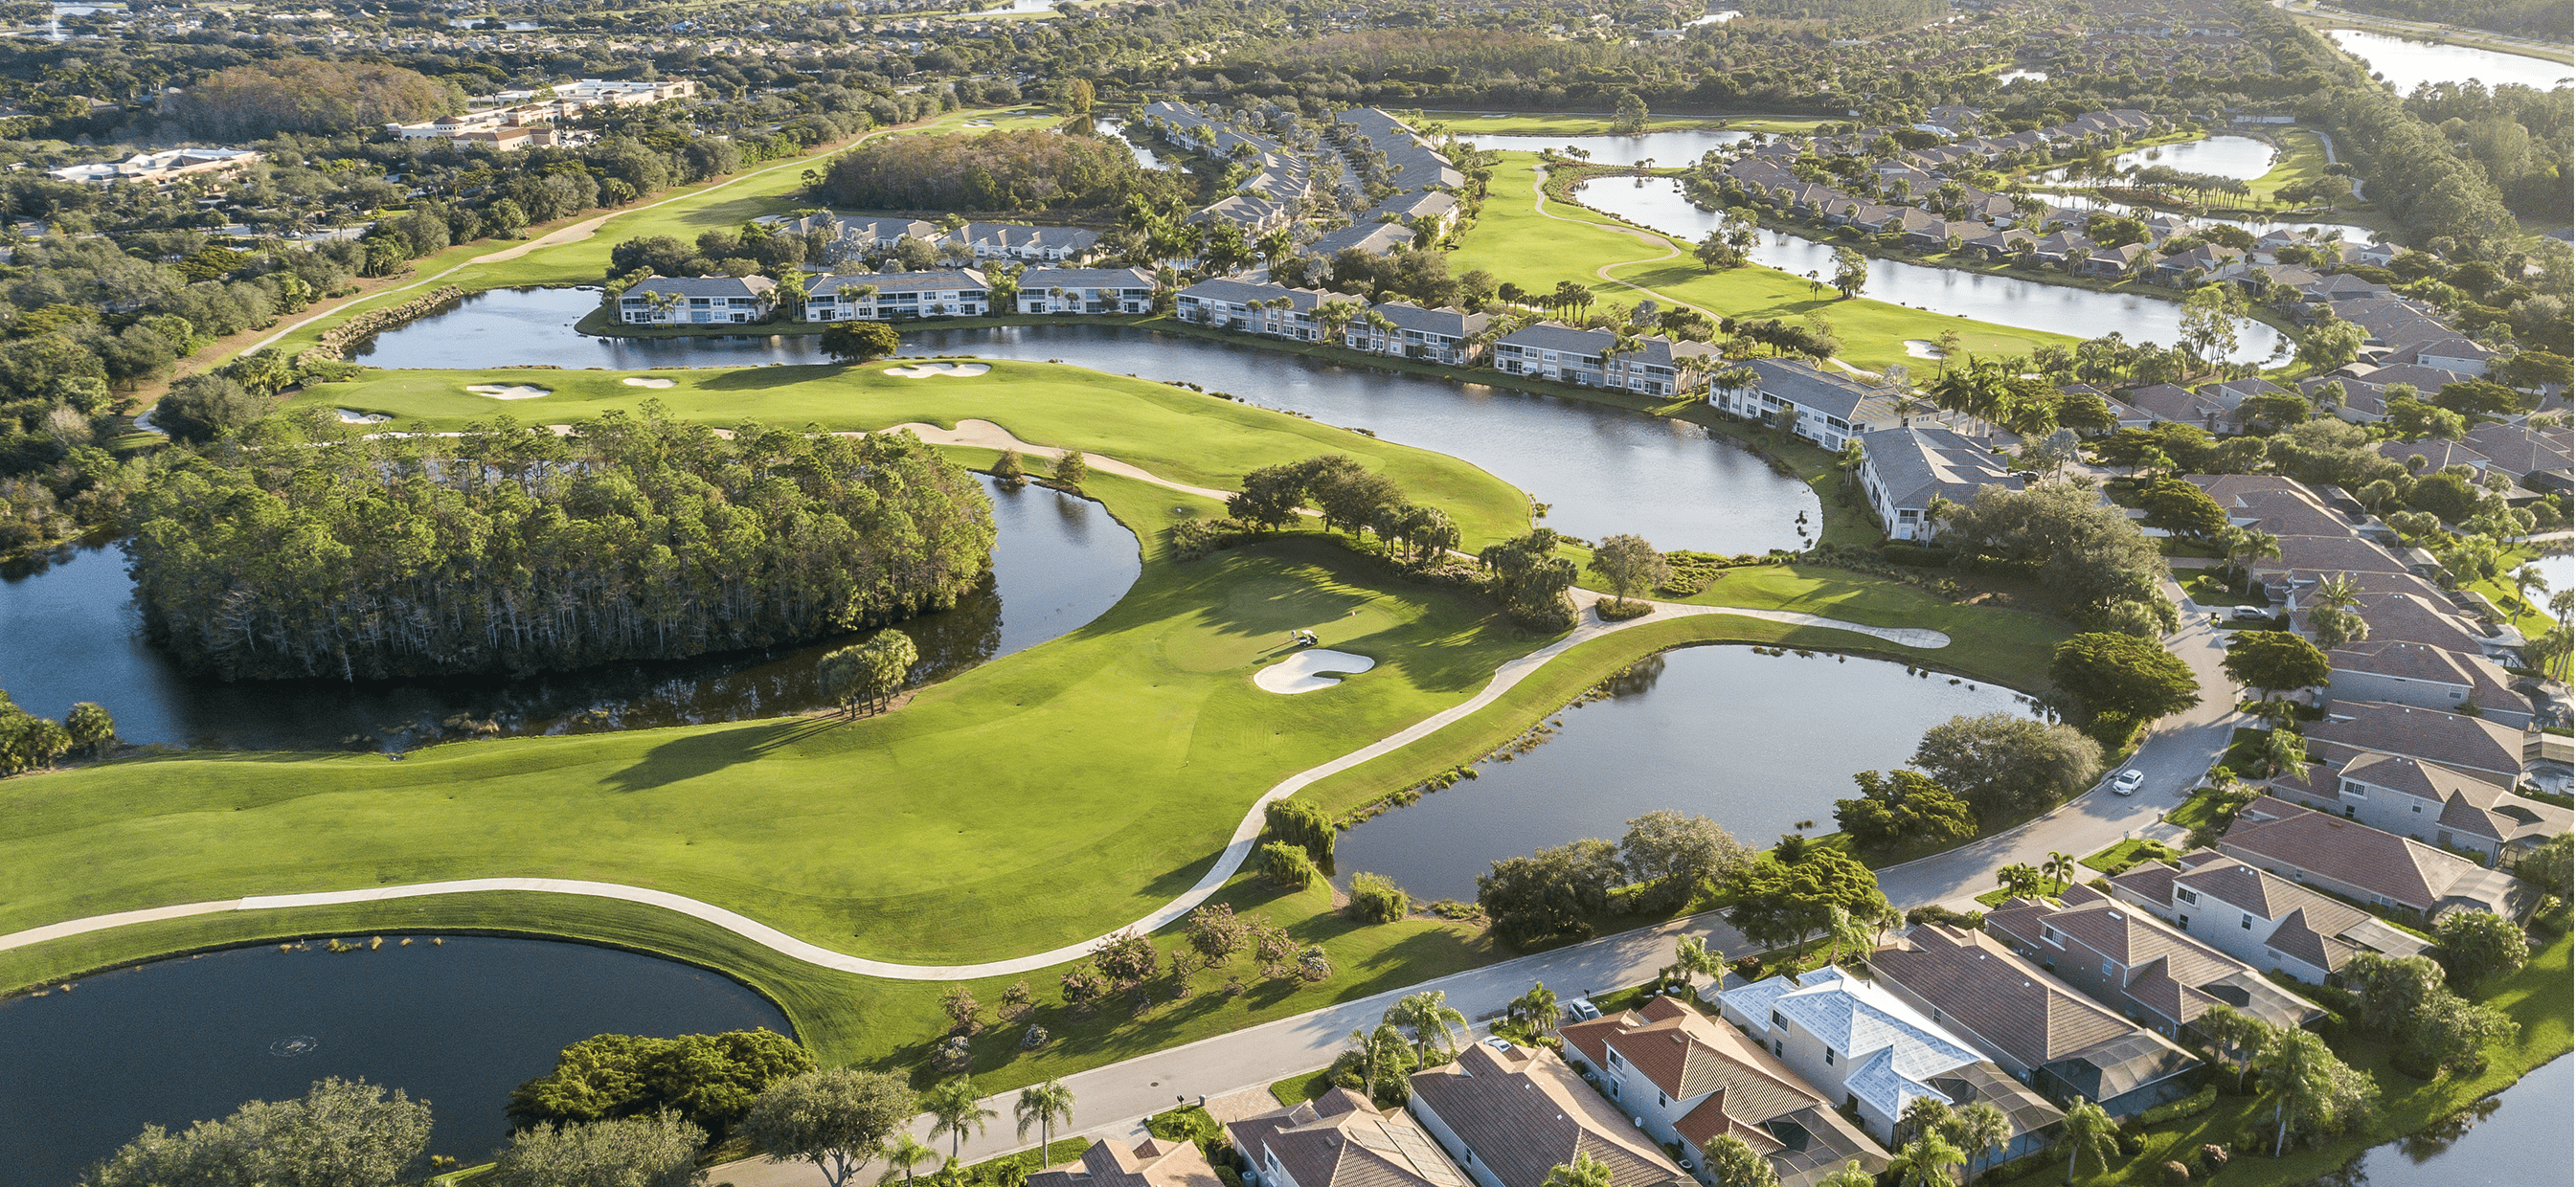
x=315, y=554
x=1026, y=170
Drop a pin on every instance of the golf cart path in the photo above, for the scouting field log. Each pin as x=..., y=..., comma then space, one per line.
x=1238, y=847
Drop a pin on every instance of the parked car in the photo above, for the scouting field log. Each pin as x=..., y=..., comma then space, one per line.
x=2251, y=613
x=2127, y=782
x=1499, y=1043
x=1581, y=1010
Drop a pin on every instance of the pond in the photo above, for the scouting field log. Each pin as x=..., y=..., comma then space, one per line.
x=1600, y=469
x=191, y=1039
x=1667, y=148
x=2002, y=300
x=2518, y=1136
x=2408, y=64
x=1754, y=742
x=1058, y=563
x=2240, y=157
x=1117, y=130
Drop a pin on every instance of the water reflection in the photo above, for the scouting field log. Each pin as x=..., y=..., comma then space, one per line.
x=1667, y=148
x=2409, y=64
x=2516, y=1137
x=1755, y=742
x=2241, y=157
x=191, y=1039
x=1058, y=563
x=2002, y=300
x=1117, y=130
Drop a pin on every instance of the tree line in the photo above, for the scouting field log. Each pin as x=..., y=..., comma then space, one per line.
x=1023, y=170
x=318, y=554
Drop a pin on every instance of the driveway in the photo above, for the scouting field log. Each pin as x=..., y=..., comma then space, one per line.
x=1114, y=1100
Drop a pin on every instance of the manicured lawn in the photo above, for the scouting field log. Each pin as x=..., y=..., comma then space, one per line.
x=2009, y=647
x=2119, y=858
x=2302, y=159
x=1036, y=800
x=1518, y=245
x=2049, y=888
x=2531, y=620
x=1297, y=1090
x=1465, y=124
x=1172, y=432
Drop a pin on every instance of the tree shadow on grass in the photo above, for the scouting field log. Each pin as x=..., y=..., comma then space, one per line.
x=768, y=378
x=692, y=755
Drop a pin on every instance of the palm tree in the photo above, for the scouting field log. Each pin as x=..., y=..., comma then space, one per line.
x=1536, y=1009
x=1842, y=927
x=1044, y=1105
x=1584, y=1171
x=2284, y=750
x=2239, y=1036
x=1691, y=955
x=2339, y=592
x=954, y=1109
x=2526, y=579
x=2296, y=1070
x=1925, y=1161
x=2060, y=869
x=2019, y=878
x=1851, y=1175
x=904, y=1153
x=1427, y=1016
x=2088, y=1135
x=1980, y=1129
x=1923, y=1114
x=2244, y=546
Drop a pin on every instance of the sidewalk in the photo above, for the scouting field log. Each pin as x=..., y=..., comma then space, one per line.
x=1113, y=1101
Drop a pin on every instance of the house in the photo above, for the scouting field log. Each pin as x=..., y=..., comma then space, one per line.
x=2536, y=459
x=1508, y=1115
x=2260, y=918
x=1254, y=216
x=2400, y=672
x=2427, y=802
x=1826, y=408
x=2470, y=745
x=1010, y=241
x=1150, y=1163
x=161, y=169
x=2182, y=268
x=2045, y=1034
x=1902, y=470
x=1590, y=358
x=1690, y=1079
x=1256, y=308
x=1086, y=290
x=1412, y=332
x=695, y=300
x=2002, y=245
x=1852, y=1038
x=1371, y=238
x=2111, y=263
x=2166, y=402
x=2129, y=960
x=893, y=296
x=2361, y=864
x=1341, y=1140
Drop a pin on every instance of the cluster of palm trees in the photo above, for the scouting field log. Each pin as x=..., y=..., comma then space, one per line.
x=2023, y=879
x=958, y=1113
x=1411, y=1033
x=1931, y=1138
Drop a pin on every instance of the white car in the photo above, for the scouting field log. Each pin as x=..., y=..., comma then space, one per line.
x=2251, y=613
x=1581, y=1010
x=2127, y=782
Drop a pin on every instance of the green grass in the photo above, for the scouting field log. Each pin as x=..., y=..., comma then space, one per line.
x=2008, y=647
x=2532, y=621
x=2203, y=808
x=2120, y=858
x=1297, y=1090
x=2301, y=159
x=1465, y=124
x=1172, y=432
x=2538, y=997
x=1517, y=244
x=2049, y=888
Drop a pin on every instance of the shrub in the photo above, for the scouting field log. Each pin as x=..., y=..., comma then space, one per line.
x=1301, y=823
x=1287, y=865
x=2176, y=1172
x=2189, y=1106
x=2213, y=1159
x=1377, y=900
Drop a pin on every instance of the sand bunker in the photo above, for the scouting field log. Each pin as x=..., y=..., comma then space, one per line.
x=926, y=370
x=645, y=381
x=1302, y=672
x=1923, y=350
x=513, y=391
x=351, y=416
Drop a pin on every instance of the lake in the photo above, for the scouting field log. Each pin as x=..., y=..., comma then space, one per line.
x=2409, y=64
x=191, y=1039
x=1058, y=563
x=1117, y=130
x=2002, y=300
x=1754, y=742
x=2240, y=157
x=2518, y=1136
x=1667, y=148
x=1601, y=470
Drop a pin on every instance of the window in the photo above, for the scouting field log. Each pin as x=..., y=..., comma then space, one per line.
x=1778, y=1022
x=2355, y=790
x=2419, y=809
x=2111, y=969
x=1662, y=1101
x=2245, y=922
x=1615, y=1061
x=2188, y=896
x=1829, y=1057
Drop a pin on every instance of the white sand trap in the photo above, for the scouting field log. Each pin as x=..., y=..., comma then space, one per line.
x=645, y=381
x=926, y=370
x=1923, y=350
x=513, y=391
x=351, y=416
x=1302, y=672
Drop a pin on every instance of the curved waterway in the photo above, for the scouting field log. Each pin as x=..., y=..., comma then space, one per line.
x=458, y=1024
x=2517, y=1137
x=2240, y=157
x=1755, y=742
x=1664, y=148
x=1599, y=469
x=1058, y=563
x=2408, y=64
x=2002, y=300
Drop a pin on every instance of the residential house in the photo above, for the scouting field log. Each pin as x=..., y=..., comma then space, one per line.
x=1825, y=408
x=2400, y=672
x=895, y=296
x=1508, y=1115
x=1086, y=290
x=2131, y=961
x=1154, y=1162
x=2473, y=746
x=1690, y=1079
x=2112, y=263
x=2538, y=460
x=1011, y=241
x=2048, y=1036
x=1372, y=238
x=1854, y=1038
x=695, y=300
x=2427, y=802
x=1413, y=332
x=1270, y=309
x=1341, y=1140
x=2261, y=918
x=160, y=170
x=1902, y=470
x=2182, y=268
x=2166, y=402
x=1590, y=358
x=2361, y=864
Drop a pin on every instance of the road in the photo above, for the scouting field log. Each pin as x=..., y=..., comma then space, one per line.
x=1114, y=1100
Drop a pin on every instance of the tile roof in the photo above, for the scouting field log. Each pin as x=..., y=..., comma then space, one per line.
x=1979, y=985
x=1341, y=1140
x=2276, y=833
x=1894, y=1050
x=1688, y=1056
x=2170, y=973
x=2462, y=743
x=1810, y=387
x=1916, y=464
x=1525, y=1113
x=1150, y=1163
